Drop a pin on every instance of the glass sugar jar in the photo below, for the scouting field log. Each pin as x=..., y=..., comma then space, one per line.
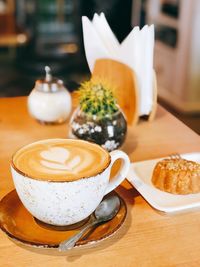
x=49, y=102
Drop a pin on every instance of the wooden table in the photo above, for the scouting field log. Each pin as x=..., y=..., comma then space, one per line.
x=147, y=238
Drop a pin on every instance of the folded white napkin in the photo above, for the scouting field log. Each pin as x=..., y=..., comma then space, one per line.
x=136, y=51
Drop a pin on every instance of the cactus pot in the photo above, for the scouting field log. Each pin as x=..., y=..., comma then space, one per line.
x=109, y=131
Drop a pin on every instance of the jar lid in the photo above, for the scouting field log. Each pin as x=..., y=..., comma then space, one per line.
x=49, y=84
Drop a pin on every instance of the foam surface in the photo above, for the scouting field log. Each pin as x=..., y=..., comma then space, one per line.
x=61, y=160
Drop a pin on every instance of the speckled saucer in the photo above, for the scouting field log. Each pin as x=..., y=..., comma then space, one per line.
x=21, y=226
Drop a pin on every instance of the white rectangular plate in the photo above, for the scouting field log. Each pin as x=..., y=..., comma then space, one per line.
x=140, y=175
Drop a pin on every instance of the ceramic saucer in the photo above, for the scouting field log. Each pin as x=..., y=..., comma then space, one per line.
x=22, y=227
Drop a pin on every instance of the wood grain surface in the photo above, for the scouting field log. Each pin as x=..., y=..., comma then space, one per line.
x=147, y=238
x=124, y=83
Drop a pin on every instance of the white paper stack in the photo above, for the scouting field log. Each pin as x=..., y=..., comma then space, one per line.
x=136, y=51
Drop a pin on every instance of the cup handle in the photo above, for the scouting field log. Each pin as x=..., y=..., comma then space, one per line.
x=123, y=171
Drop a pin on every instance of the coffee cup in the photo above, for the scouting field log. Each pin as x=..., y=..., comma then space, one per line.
x=62, y=181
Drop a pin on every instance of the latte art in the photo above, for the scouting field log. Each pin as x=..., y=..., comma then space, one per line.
x=61, y=160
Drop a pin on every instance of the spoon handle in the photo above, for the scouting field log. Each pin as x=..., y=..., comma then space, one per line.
x=70, y=242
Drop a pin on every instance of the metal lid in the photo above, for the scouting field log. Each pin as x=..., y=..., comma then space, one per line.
x=49, y=84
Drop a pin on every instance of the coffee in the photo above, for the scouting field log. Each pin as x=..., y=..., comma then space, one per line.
x=61, y=160
x=48, y=178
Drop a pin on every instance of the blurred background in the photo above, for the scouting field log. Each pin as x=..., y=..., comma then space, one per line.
x=36, y=33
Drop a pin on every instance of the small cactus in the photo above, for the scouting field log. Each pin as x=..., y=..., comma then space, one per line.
x=97, y=99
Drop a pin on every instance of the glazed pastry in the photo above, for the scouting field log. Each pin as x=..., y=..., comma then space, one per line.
x=177, y=176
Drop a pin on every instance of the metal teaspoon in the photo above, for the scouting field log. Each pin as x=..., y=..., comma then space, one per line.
x=105, y=211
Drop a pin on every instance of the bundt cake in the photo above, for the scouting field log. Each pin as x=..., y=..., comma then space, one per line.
x=177, y=176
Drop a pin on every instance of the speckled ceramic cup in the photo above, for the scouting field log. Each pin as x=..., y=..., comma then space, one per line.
x=68, y=199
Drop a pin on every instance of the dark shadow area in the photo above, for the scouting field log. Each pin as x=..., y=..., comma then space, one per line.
x=39, y=33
